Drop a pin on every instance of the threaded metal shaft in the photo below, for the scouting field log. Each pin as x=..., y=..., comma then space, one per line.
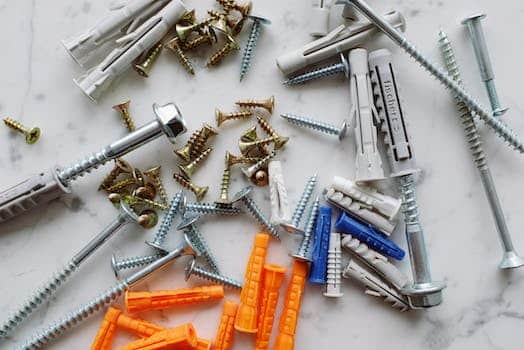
x=167, y=221
x=305, y=245
x=318, y=73
x=134, y=262
x=255, y=211
x=82, y=167
x=208, y=208
x=216, y=278
x=196, y=238
x=250, y=47
x=304, y=200
x=312, y=124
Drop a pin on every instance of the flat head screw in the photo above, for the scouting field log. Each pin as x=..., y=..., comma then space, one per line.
x=121, y=167
x=199, y=191
x=31, y=135
x=474, y=25
x=268, y=104
x=230, y=46
x=222, y=117
x=252, y=43
x=146, y=62
x=175, y=47
x=190, y=168
x=123, y=109
x=154, y=174
x=322, y=72
x=280, y=141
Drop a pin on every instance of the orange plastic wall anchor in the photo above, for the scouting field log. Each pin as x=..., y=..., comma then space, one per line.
x=180, y=338
x=289, y=317
x=145, y=301
x=246, y=320
x=203, y=344
x=138, y=326
x=106, y=332
x=273, y=277
x=226, y=330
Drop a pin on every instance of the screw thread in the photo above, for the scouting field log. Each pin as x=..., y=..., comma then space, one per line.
x=195, y=162
x=216, y=278
x=119, y=186
x=319, y=73
x=238, y=115
x=194, y=43
x=13, y=124
x=207, y=208
x=196, y=238
x=82, y=167
x=305, y=245
x=181, y=56
x=470, y=129
x=224, y=185
x=44, y=293
x=304, y=200
x=255, y=211
x=266, y=127
x=161, y=189
x=167, y=221
x=133, y=200
x=182, y=181
x=312, y=124
x=250, y=47
x=74, y=318
x=220, y=54
x=409, y=200
x=250, y=171
x=136, y=261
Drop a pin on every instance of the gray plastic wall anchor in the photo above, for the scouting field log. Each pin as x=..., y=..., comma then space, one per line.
x=280, y=207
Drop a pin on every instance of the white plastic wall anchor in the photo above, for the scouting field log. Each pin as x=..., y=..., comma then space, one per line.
x=96, y=82
x=361, y=210
x=338, y=40
x=334, y=267
x=379, y=202
x=368, y=162
x=83, y=47
x=375, y=286
x=280, y=207
x=391, y=114
x=376, y=261
x=319, y=21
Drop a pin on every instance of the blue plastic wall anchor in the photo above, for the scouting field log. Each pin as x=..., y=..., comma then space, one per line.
x=367, y=234
x=317, y=273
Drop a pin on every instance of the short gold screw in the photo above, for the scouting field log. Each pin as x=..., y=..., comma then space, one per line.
x=196, y=143
x=207, y=38
x=121, y=185
x=221, y=117
x=134, y=200
x=268, y=104
x=31, y=135
x=175, y=47
x=145, y=63
x=232, y=160
x=190, y=169
x=199, y=191
x=280, y=141
x=121, y=166
x=218, y=56
x=154, y=175
x=246, y=147
x=123, y=108
x=224, y=187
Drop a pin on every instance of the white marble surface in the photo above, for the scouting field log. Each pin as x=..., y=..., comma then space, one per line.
x=483, y=307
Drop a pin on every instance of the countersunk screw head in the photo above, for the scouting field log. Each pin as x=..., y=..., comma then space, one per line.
x=170, y=119
x=260, y=19
x=477, y=16
x=343, y=130
x=189, y=268
x=113, y=265
x=32, y=135
x=188, y=221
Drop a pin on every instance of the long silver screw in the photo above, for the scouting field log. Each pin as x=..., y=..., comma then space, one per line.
x=133, y=262
x=474, y=25
x=255, y=211
x=125, y=216
x=294, y=225
x=304, y=250
x=104, y=299
x=252, y=43
x=322, y=72
x=424, y=292
x=193, y=269
x=167, y=222
x=500, y=128
x=510, y=258
x=208, y=208
x=318, y=125
x=199, y=242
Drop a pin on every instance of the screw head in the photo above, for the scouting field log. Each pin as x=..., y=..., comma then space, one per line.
x=249, y=135
x=343, y=130
x=259, y=19
x=113, y=265
x=148, y=218
x=241, y=194
x=474, y=17
x=170, y=119
x=511, y=260
x=32, y=136
x=260, y=178
x=188, y=221
x=153, y=172
x=345, y=62
x=424, y=295
x=289, y=227
x=188, y=271
x=127, y=212
x=190, y=249
x=500, y=111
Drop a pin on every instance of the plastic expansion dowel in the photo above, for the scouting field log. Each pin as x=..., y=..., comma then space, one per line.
x=226, y=329
x=317, y=274
x=180, y=338
x=106, y=332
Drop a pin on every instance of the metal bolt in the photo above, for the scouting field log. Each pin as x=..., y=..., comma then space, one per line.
x=31, y=135
x=304, y=250
x=294, y=225
x=193, y=269
x=121, y=166
x=424, y=292
x=208, y=208
x=280, y=141
x=510, y=258
x=268, y=104
x=190, y=168
x=322, y=72
x=167, y=222
x=133, y=262
x=47, y=290
x=197, y=240
x=255, y=211
x=174, y=46
x=500, y=128
x=123, y=108
x=318, y=125
x=199, y=191
x=97, y=304
x=252, y=43
x=146, y=62
x=262, y=163
x=474, y=25
x=221, y=117
x=154, y=175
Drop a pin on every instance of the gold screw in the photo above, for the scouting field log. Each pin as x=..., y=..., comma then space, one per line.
x=190, y=169
x=115, y=199
x=154, y=175
x=244, y=9
x=139, y=177
x=209, y=37
x=246, y=147
x=196, y=143
x=31, y=135
x=188, y=18
x=221, y=117
x=148, y=218
x=199, y=191
x=268, y=104
x=280, y=141
x=121, y=166
x=121, y=185
x=174, y=46
x=134, y=200
x=261, y=178
x=148, y=191
x=184, y=31
x=218, y=56
x=251, y=135
x=224, y=187
x=145, y=62
x=232, y=160
x=123, y=108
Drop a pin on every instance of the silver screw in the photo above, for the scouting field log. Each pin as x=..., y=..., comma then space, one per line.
x=255, y=211
x=500, y=128
x=195, y=237
x=208, y=208
x=251, y=43
x=474, y=25
x=510, y=258
x=133, y=262
x=303, y=252
x=424, y=292
x=251, y=170
x=104, y=299
x=125, y=216
x=294, y=225
x=318, y=125
x=167, y=222
x=193, y=269
x=322, y=72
